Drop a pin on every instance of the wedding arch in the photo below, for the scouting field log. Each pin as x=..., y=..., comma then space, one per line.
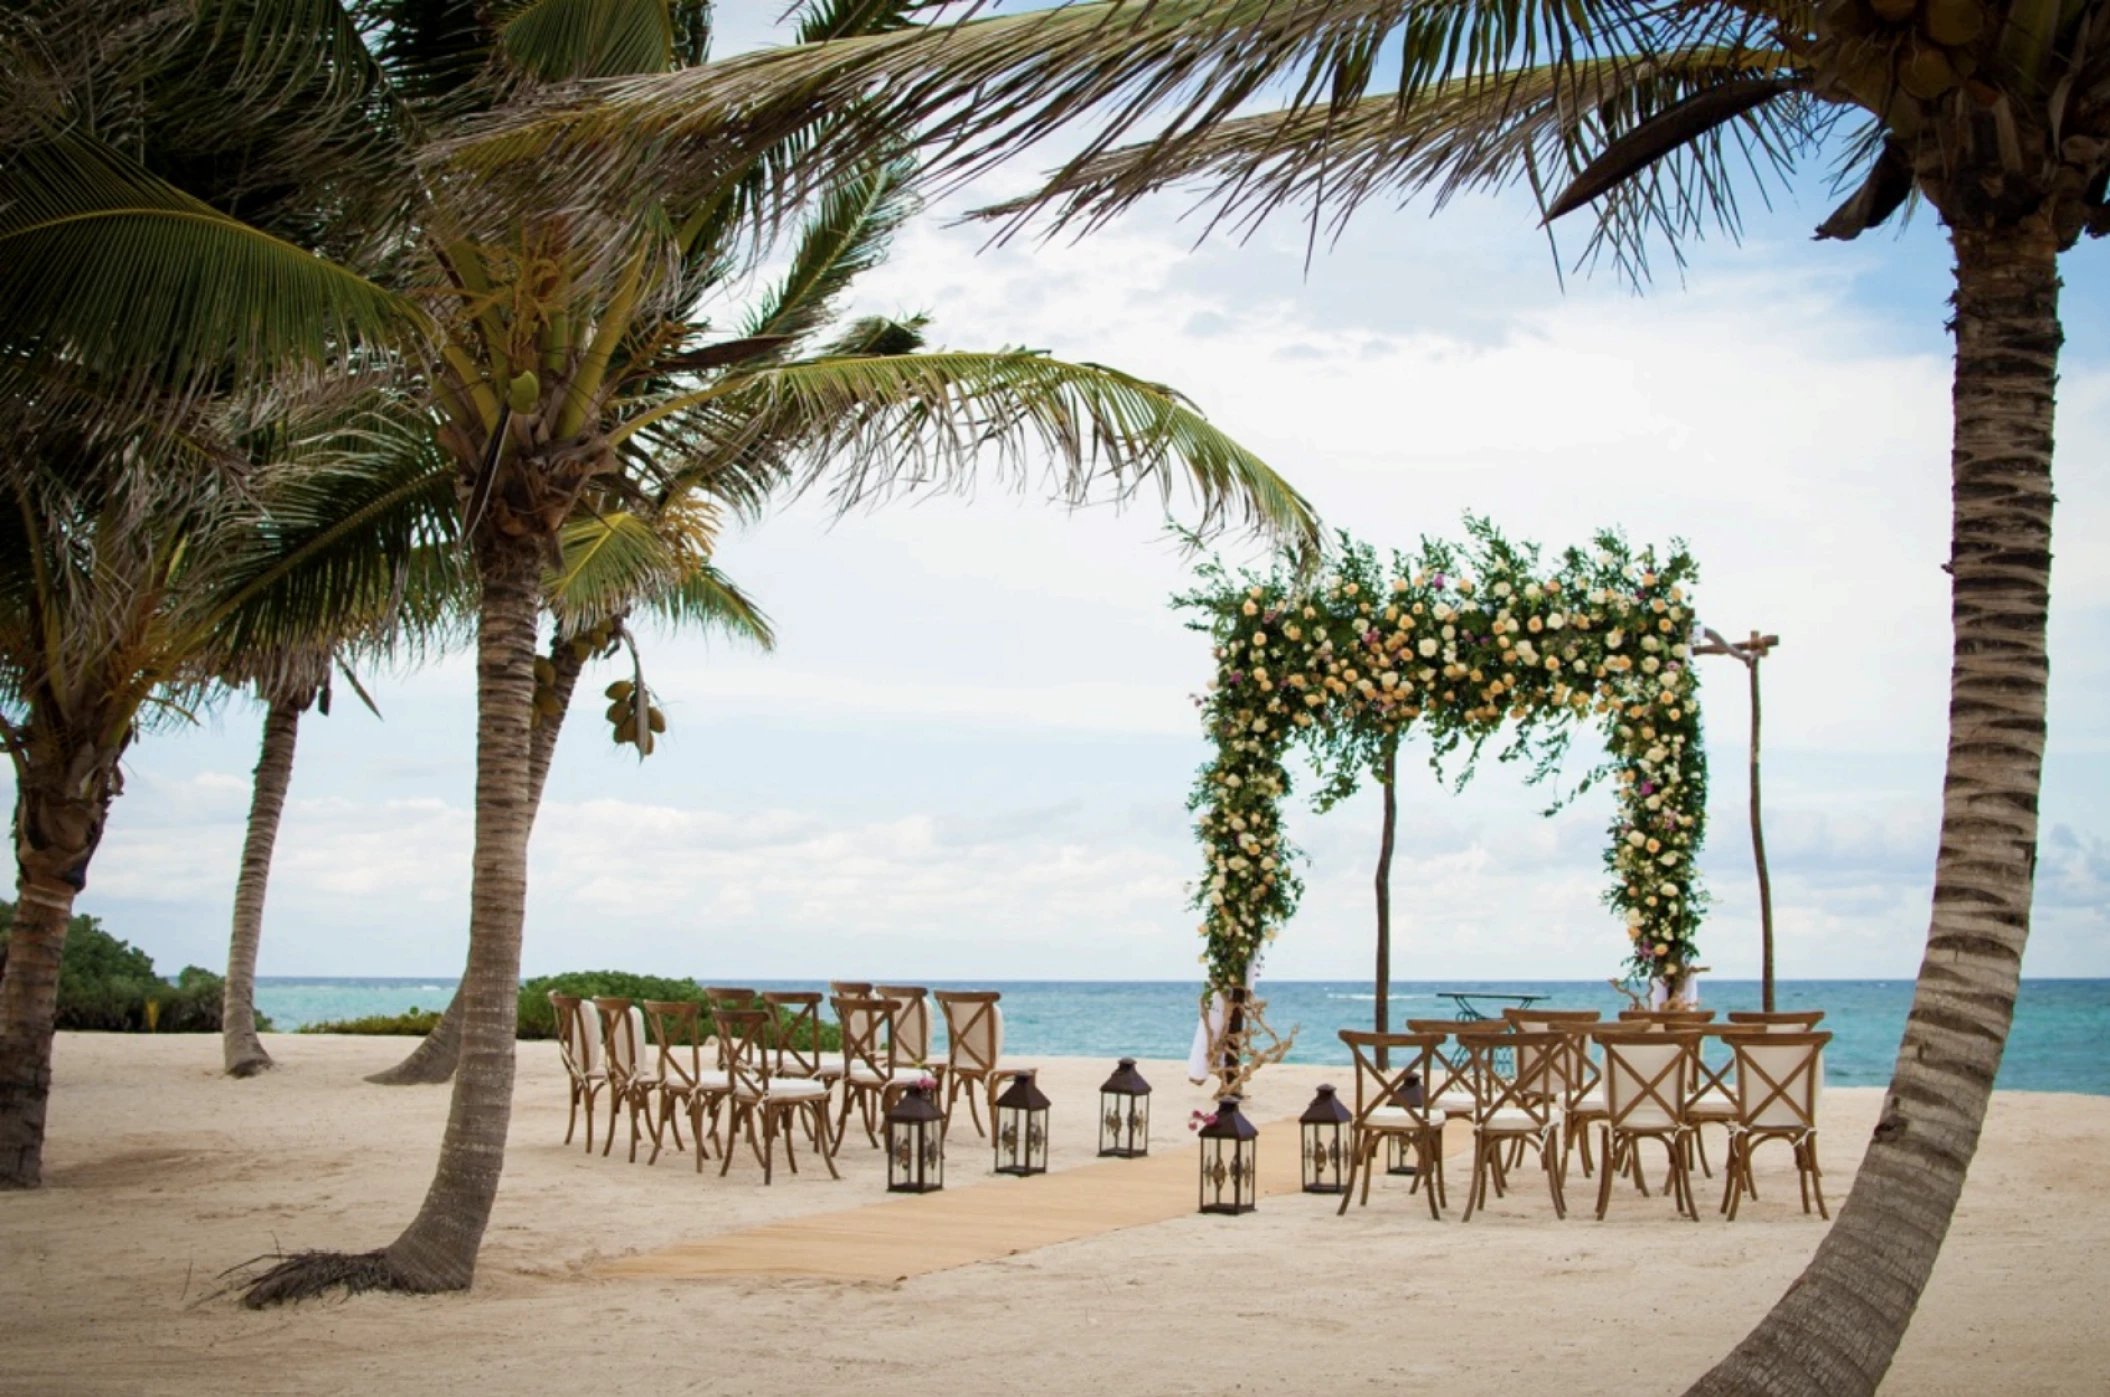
x=1464, y=642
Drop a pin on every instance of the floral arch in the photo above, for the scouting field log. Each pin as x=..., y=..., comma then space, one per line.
x=1462, y=642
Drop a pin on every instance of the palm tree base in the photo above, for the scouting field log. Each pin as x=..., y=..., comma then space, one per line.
x=310, y=1275
x=433, y=1060
x=249, y=1064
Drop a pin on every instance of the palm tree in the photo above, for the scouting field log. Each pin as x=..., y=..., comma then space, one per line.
x=1996, y=113
x=131, y=536
x=571, y=371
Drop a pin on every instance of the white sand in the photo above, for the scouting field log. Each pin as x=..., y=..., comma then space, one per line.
x=161, y=1174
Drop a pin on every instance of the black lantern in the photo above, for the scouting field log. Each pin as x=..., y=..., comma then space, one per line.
x=1230, y=1177
x=1325, y=1135
x=1021, y=1128
x=915, y=1144
x=1124, y=1114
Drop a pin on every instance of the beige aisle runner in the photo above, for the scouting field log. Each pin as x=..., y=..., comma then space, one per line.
x=913, y=1235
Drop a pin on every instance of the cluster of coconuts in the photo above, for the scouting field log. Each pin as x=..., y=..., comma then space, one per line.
x=622, y=714
x=1921, y=47
x=600, y=640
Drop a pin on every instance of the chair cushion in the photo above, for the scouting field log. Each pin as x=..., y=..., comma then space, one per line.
x=1590, y=1103
x=1509, y=1120
x=791, y=1089
x=1392, y=1118
x=901, y=1076
x=1456, y=1103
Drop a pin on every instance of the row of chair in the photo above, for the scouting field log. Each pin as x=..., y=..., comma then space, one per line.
x=1540, y=1079
x=757, y=1067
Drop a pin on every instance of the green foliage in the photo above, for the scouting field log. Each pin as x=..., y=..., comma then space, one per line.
x=411, y=1023
x=539, y=1020
x=106, y=984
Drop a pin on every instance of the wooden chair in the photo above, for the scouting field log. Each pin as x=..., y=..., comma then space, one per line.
x=974, y=1049
x=676, y=1027
x=1546, y=1018
x=1711, y=1095
x=796, y=1037
x=1779, y=1080
x=1451, y=1094
x=1647, y=1076
x=757, y=1093
x=1583, y=1081
x=912, y=1022
x=579, y=1045
x=873, y=1077
x=630, y=1080
x=1386, y=1108
x=1521, y=1106
x=849, y=989
x=1667, y=1018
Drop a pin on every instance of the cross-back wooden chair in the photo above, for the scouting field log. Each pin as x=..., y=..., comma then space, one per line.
x=688, y=1084
x=1782, y=1021
x=796, y=1028
x=1667, y=1018
x=1779, y=1080
x=849, y=989
x=1583, y=1086
x=758, y=1094
x=1393, y=1102
x=1711, y=1099
x=1517, y=1082
x=1647, y=1078
x=974, y=1049
x=873, y=1076
x=1452, y=1093
x=627, y=1066
x=912, y=1022
x=579, y=1045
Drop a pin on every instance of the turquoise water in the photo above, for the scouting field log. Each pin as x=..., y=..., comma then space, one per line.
x=2056, y=1044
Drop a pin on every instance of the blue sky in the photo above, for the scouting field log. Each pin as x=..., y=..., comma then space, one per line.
x=970, y=756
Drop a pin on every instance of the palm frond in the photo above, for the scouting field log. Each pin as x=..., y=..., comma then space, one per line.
x=105, y=266
x=560, y=40
x=708, y=598
x=873, y=425
x=1543, y=125
x=847, y=236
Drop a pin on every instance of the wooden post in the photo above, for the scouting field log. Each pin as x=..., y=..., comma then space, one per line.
x=1750, y=652
x=1388, y=769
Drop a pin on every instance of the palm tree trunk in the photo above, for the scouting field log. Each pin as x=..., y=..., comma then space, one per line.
x=1386, y=774
x=1838, y=1327
x=62, y=797
x=240, y=1048
x=433, y=1059
x=438, y=1250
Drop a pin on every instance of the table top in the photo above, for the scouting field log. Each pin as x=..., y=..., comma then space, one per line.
x=1468, y=1010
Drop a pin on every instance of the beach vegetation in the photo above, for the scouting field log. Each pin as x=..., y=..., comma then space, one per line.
x=108, y=985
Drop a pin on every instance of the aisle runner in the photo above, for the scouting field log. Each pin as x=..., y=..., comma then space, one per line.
x=913, y=1236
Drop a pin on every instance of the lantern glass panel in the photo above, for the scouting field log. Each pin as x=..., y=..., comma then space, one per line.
x=1124, y=1113
x=1020, y=1136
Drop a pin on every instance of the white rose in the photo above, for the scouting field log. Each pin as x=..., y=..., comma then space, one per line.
x=1427, y=647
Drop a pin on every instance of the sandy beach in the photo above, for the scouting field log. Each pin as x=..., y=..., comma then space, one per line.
x=161, y=1174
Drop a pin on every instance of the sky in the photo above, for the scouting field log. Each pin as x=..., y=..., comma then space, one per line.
x=970, y=755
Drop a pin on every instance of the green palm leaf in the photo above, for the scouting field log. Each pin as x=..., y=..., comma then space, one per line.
x=104, y=266
x=847, y=236
x=876, y=424
x=558, y=40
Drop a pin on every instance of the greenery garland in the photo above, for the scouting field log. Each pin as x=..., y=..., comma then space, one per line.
x=1461, y=640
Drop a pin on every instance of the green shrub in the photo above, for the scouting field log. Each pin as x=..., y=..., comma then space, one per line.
x=106, y=984
x=411, y=1023
x=539, y=1020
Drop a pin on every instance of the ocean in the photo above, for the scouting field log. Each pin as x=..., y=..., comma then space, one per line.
x=2057, y=1043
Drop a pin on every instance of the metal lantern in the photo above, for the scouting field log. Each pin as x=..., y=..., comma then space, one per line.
x=1021, y=1128
x=915, y=1144
x=1230, y=1166
x=1325, y=1136
x=1124, y=1114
